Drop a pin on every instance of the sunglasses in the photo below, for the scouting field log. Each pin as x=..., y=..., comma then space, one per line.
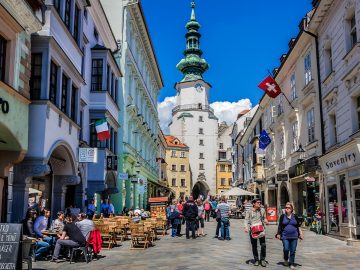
x=287, y=207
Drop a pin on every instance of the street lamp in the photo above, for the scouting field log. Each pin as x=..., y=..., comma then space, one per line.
x=137, y=167
x=301, y=153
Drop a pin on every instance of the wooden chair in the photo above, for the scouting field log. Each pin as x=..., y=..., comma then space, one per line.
x=161, y=225
x=106, y=236
x=139, y=237
x=151, y=228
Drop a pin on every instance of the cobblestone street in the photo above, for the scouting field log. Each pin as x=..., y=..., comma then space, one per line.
x=315, y=252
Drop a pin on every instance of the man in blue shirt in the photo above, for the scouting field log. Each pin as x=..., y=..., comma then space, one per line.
x=44, y=242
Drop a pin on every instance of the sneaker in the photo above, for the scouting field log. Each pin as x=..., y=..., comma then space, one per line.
x=286, y=263
x=228, y=238
x=220, y=238
x=256, y=263
x=216, y=236
x=263, y=263
x=292, y=266
x=55, y=260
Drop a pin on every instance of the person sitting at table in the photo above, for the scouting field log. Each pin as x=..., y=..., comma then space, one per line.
x=91, y=209
x=111, y=208
x=137, y=210
x=44, y=241
x=144, y=214
x=136, y=218
x=85, y=225
x=71, y=237
x=104, y=208
x=28, y=223
x=58, y=223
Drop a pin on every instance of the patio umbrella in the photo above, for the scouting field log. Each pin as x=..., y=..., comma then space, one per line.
x=33, y=191
x=238, y=192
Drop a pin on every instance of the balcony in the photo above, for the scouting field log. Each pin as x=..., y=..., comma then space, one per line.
x=192, y=107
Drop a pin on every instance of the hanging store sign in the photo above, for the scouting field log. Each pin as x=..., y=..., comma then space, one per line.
x=342, y=161
x=123, y=176
x=4, y=106
x=88, y=155
x=111, y=163
x=282, y=177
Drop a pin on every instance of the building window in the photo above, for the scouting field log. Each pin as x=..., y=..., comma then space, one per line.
x=353, y=35
x=73, y=103
x=222, y=181
x=57, y=5
x=294, y=128
x=201, y=142
x=358, y=111
x=96, y=75
x=173, y=182
x=182, y=168
x=53, y=82
x=328, y=59
x=311, y=125
x=230, y=181
x=81, y=124
x=85, y=14
x=222, y=155
x=173, y=168
x=67, y=14
x=201, y=119
x=108, y=82
x=201, y=166
x=96, y=34
x=76, y=24
x=2, y=58
x=182, y=154
x=229, y=168
x=115, y=143
x=282, y=143
x=201, y=156
x=221, y=146
x=173, y=153
x=280, y=108
x=201, y=131
x=293, y=87
x=222, y=167
x=35, y=80
x=183, y=183
x=333, y=128
x=64, y=93
x=307, y=68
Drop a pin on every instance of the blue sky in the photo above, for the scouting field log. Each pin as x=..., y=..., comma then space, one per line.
x=241, y=40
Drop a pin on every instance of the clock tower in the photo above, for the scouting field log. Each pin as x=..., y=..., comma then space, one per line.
x=193, y=120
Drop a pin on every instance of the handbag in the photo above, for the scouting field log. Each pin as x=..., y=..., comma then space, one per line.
x=257, y=230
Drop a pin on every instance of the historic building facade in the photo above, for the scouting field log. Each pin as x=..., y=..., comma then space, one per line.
x=17, y=21
x=139, y=90
x=193, y=120
x=224, y=162
x=178, y=172
x=337, y=24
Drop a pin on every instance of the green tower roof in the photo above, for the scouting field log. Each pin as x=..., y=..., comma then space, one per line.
x=193, y=65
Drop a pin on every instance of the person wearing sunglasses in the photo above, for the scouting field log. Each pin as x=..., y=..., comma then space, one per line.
x=289, y=232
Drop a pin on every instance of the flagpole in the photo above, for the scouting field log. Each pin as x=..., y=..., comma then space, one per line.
x=281, y=91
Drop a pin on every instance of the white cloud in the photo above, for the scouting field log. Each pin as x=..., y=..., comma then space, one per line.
x=224, y=110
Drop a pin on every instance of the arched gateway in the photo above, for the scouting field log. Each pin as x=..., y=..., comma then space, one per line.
x=200, y=188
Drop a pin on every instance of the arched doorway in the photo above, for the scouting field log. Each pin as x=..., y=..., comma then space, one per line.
x=284, y=196
x=200, y=188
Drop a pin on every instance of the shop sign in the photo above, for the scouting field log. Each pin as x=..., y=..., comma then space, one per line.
x=88, y=155
x=282, y=177
x=123, y=176
x=134, y=180
x=111, y=163
x=4, y=106
x=271, y=214
x=10, y=236
x=341, y=161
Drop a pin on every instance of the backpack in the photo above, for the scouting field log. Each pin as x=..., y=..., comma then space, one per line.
x=207, y=206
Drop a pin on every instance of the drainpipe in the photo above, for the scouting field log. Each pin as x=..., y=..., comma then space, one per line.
x=321, y=116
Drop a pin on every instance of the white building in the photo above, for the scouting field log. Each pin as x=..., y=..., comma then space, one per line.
x=337, y=24
x=193, y=120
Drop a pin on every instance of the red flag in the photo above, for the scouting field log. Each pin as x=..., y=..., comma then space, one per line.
x=270, y=86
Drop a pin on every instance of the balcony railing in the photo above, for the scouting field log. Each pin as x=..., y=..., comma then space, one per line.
x=192, y=107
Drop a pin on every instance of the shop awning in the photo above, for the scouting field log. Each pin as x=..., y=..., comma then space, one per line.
x=238, y=192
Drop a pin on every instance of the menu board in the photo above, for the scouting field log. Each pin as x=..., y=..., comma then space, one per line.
x=10, y=235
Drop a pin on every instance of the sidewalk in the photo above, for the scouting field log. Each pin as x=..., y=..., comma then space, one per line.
x=315, y=252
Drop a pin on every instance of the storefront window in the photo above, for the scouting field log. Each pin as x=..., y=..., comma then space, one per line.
x=333, y=207
x=343, y=192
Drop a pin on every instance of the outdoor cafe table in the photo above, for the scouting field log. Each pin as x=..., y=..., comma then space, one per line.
x=51, y=233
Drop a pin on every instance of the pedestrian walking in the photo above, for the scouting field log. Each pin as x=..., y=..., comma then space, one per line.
x=289, y=232
x=224, y=210
x=218, y=223
x=190, y=213
x=255, y=221
x=207, y=208
x=174, y=219
x=200, y=218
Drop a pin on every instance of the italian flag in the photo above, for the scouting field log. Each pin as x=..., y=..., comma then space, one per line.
x=102, y=129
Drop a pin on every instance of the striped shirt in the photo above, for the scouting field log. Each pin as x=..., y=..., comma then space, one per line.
x=224, y=209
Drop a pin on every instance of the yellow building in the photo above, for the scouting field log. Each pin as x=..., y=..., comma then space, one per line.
x=178, y=172
x=223, y=176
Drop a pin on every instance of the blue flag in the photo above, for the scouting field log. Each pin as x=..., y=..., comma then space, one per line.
x=264, y=140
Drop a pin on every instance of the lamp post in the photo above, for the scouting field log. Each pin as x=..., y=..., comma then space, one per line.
x=302, y=153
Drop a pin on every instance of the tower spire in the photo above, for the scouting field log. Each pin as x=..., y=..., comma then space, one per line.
x=193, y=65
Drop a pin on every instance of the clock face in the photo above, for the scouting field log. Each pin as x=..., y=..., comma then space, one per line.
x=198, y=87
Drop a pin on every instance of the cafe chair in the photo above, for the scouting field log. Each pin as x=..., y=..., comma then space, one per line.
x=86, y=250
